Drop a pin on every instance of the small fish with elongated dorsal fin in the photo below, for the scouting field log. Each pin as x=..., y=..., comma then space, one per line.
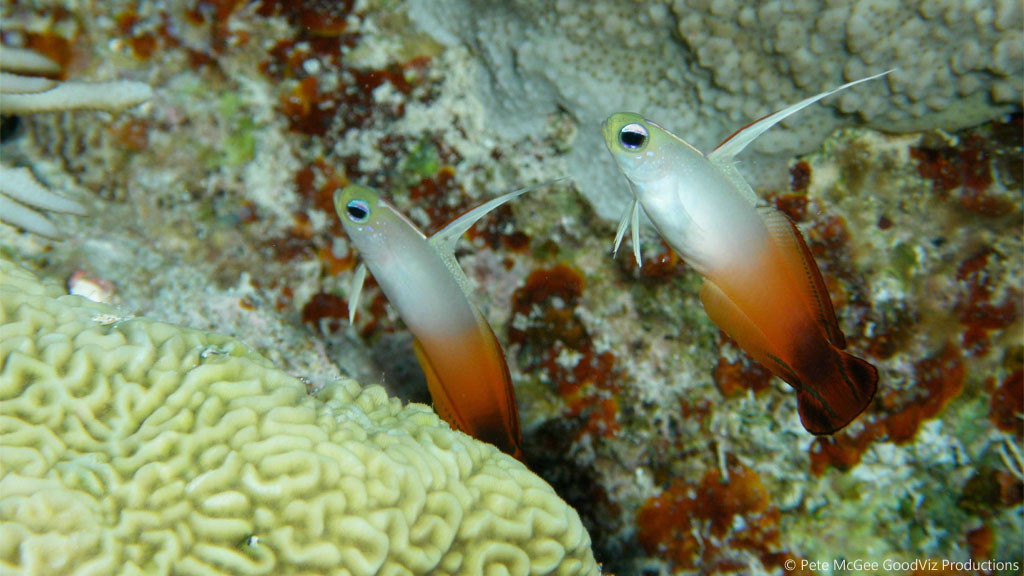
x=465, y=367
x=761, y=284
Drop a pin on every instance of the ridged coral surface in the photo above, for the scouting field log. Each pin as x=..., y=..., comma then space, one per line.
x=136, y=447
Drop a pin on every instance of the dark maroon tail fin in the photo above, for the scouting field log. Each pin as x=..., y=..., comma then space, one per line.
x=837, y=397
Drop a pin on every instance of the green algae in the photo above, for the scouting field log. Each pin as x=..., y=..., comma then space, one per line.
x=240, y=142
x=904, y=262
x=423, y=160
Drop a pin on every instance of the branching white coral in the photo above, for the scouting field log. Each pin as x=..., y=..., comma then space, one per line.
x=20, y=94
x=1012, y=457
x=20, y=192
x=29, y=94
x=21, y=60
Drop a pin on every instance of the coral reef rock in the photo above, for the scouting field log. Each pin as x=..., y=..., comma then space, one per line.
x=704, y=68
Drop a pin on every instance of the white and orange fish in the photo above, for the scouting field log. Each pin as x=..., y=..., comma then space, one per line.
x=465, y=367
x=761, y=284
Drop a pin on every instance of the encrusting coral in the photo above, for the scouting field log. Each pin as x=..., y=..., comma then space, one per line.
x=137, y=447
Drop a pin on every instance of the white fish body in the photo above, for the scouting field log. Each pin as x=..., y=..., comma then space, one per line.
x=460, y=356
x=761, y=284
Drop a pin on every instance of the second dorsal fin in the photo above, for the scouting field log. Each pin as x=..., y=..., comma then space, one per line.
x=804, y=270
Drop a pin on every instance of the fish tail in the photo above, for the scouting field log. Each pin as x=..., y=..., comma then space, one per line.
x=841, y=394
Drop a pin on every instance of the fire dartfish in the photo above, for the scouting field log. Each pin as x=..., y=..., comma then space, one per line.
x=465, y=367
x=761, y=285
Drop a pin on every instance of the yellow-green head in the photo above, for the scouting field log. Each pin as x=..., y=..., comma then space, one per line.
x=643, y=150
x=356, y=205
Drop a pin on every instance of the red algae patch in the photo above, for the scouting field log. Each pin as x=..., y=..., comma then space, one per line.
x=950, y=167
x=323, y=18
x=792, y=205
x=961, y=169
x=325, y=312
x=734, y=378
x=714, y=525
x=800, y=176
x=975, y=308
x=1007, y=404
x=553, y=341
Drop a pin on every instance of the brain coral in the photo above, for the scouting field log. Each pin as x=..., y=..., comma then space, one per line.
x=136, y=447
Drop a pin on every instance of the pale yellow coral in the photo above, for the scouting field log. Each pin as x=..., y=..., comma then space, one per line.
x=136, y=447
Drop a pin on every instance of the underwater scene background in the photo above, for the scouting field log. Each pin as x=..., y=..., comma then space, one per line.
x=209, y=207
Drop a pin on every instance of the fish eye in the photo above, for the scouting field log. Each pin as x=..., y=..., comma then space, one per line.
x=633, y=136
x=358, y=211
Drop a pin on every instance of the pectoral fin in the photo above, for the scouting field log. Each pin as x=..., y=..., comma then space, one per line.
x=620, y=232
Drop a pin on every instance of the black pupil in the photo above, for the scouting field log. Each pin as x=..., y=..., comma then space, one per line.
x=357, y=211
x=632, y=138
